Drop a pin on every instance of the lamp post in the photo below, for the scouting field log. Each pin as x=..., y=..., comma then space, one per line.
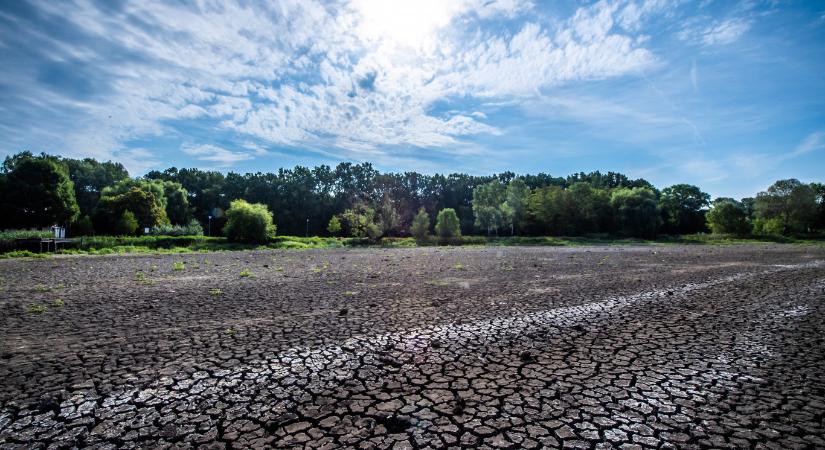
x=307, y=232
x=209, y=227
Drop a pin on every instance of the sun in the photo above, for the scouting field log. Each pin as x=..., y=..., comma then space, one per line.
x=413, y=24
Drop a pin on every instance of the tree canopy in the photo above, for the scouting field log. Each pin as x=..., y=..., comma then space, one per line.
x=36, y=193
x=369, y=203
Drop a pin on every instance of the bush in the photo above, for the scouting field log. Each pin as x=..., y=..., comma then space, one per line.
x=447, y=225
x=193, y=228
x=248, y=222
x=334, y=226
x=127, y=224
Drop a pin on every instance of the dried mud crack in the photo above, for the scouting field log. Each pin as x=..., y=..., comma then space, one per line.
x=629, y=347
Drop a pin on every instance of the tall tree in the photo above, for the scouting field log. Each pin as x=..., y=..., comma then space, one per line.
x=636, y=211
x=790, y=204
x=37, y=192
x=682, y=207
x=727, y=216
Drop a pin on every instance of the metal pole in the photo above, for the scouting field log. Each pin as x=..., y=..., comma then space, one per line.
x=209, y=227
x=307, y=232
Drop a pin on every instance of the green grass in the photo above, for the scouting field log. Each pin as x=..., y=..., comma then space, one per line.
x=36, y=308
x=120, y=245
x=215, y=292
x=246, y=273
x=178, y=266
x=23, y=254
x=58, y=303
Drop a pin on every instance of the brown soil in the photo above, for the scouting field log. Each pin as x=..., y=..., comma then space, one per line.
x=664, y=347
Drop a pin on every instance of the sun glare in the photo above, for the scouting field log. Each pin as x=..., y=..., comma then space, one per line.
x=404, y=23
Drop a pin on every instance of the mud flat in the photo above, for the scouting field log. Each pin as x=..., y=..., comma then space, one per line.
x=626, y=347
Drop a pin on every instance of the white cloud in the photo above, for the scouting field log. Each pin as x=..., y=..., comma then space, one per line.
x=358, y=76
x=725, y=32
x=214, y=154
x=814, y=141
x=718, y=33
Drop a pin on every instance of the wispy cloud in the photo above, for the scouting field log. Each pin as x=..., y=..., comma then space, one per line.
x=368, y=81
x=221, y=157
x=717, y=33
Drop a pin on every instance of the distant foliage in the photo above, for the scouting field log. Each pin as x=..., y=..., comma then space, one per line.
x=727, y=216
x=420, y=228
x=447, y=225
x=334, y=226
x=362, y=222
x=126, y=225
x=683, y=209
x=788, y=206
x=248, y=222
x=373, y=205
x=636, y=211
x=82, y=227
x=193, y=228
x=36, y=192
x=144, y=204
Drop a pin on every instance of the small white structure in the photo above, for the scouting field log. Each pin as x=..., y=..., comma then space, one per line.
x=59, y=232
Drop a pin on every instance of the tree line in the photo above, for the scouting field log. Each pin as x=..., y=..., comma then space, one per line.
x=93, y=197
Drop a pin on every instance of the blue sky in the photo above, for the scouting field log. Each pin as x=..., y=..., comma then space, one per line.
x=726, y=95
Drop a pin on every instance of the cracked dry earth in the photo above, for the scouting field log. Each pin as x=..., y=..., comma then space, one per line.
x=625, y=347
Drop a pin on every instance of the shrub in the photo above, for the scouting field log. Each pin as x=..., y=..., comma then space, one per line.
x=334, y=226
x=420, y=227
x=193, y=228
x=447, y=225
x=127, y=224
x=248, y=222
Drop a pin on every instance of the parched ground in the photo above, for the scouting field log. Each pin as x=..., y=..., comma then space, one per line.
x=626, y=347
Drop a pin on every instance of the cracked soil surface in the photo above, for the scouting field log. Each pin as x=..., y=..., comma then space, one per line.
x=624, y=347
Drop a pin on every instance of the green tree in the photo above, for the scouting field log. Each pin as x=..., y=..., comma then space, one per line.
x=587, y=209
x=126, y=224
x=636, y=211
x=146, y=205
x=176, y=203
x=789, y=202
x=90, y=177
x=487, y=200
x=334, y=226
x=362, y=222
x=82, y=227
x=248, y=222
x=516, y=195
x=420, y=227
x=550, y=211
x=388, y=219
x=727, y=216
x=37, y=192
x=447, y=225
x=173, y=197
x=682, y=207
x=819, y=191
